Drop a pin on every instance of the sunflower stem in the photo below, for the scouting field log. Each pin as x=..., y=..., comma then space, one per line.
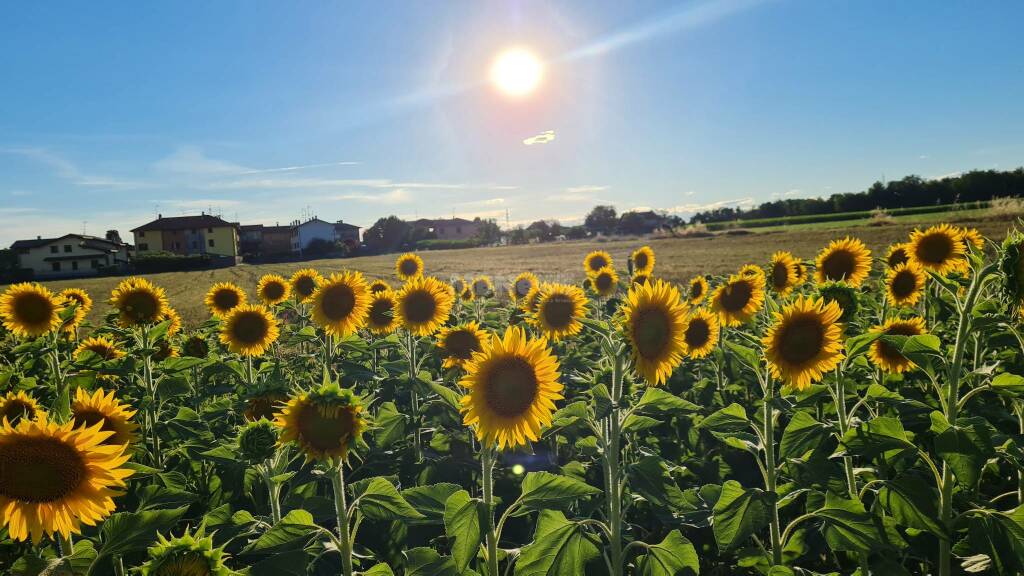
x=273, y=491
x=770, y=468
x=612, y=472
x=414, y=399
x=851, y=478
x=341, y=511
x=66, y=545
x=487, y=484
x=151, y=412
x=118, y=563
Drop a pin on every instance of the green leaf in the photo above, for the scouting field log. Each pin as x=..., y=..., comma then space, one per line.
x=875, y=437
x=543, y=490
x=382, y=501
x=637, y=423
x=427, y=562
x=966, y=447
x=463, y=518
x=738, y=514
x=746, y=354
x=1007, y=383
x=650, y=478
x=732, y=418
x=674, y=556
x=859, y=344
x=292, y=562
x=803, y=434
x=602, y=401
x=659, y=401
x=560, y=548
x=450, y=397
x=379, y=570
x=430, y=500
x=293, y=532
x=913, y=503
x=125, y=532
x=847, y=526
x=389, y=425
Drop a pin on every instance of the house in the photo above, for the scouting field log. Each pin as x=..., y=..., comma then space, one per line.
x=72, y=255
x=187, y=236
x=257, y=239
x=305, y=233
x=347, y=234
x=448, y=229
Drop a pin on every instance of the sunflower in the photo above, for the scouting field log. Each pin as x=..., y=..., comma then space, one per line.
x=738, y=300
x=640, y=279
x=467, y=294
x=101, y=346
x=529, y=302
x=104, y=409
x=883, y=354
x=700, y=333
x=698, y=290
x=424, y=305
x=847, y=260
x=560, y=307
x=138, y=302
x=30, y=310
x=521, y=286
x=782, y=273
x=81, y=301
x=17, y=406
x=175, y=325
x=805, y=341
x=753, y=272
x=408, y=266
x=223, y=297
x=304, y=283
x=897, y=255
x=512, y=385
x=273, y=289
x=801, y=271
x=482, y=286
x=939, y=249
x=596, y=260
x=341, y=303
x=844, y=296
x=904, y=284
x=55, y=477
x=187, y=555
x=249, y=330
x=643, y=260
x=972, y=239
x=196, y=346
x=458, y=343
x=265, y=403
x=257, y=440
x=324, y=422
x=380, y=318
x=459, y=284
x=654, y=321
x=604, y=282
x=379, y=285
x=1011, y=264
x=165, y=350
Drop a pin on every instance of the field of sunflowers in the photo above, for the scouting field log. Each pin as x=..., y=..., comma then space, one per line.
x=853, y=413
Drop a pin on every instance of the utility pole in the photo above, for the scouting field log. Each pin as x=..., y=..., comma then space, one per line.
x=507, y=225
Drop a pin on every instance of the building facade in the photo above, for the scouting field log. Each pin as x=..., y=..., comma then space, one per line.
x=187, y=236
x=306, y=232
x=449, y=229
x=72, y=255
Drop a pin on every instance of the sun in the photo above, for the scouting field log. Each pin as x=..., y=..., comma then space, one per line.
x=517, y=72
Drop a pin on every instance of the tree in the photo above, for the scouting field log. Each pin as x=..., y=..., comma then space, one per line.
x=386, y=234
x=487, y=232
x=602, y=220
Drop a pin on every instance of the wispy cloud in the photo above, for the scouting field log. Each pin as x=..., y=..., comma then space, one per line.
x=698, y=207
x=396, y=196
x=542, y=138
x=944, y=176
x=584, y=193
x=787, y=193
x=193, y=161
x=67, y=170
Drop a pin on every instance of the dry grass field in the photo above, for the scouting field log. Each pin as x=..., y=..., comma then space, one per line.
x=678, y=259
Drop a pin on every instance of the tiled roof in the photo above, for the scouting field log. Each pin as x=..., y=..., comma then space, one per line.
x=93, y=242
x=182, y=222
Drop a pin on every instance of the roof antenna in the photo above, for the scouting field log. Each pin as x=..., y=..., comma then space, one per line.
x=84, y=222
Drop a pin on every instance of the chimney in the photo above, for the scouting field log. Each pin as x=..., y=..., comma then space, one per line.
x=39, y=237
x=159, y=216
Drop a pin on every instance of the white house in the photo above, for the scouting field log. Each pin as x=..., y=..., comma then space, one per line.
x=310, y=230
x=71, y=255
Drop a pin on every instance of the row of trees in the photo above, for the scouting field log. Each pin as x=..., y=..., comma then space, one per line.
x=391, y=234
x=911, y=191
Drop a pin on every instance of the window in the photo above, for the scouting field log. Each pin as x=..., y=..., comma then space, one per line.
x=55, y=266
x=209, y=230
x=94, y=263
x=211, y=242
x=143, y=247
x=458, y=229
x=142, y=234
x=67, y=247
x=74, y=264
x=53, y=249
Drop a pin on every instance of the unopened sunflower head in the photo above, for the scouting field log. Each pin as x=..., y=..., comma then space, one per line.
x=1011, y=264
x=257, y=440
x=191, y=554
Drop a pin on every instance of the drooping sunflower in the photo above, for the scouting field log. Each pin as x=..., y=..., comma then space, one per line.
x=265, y=401
x=844, y=296
x=424, y=305
x=972, y=239
x=379, y=285
x=654, y=321
x=165, y=350
x=55, y=477
x=605, y=282
x=304, y=282
x=698, y=290
x=595, y=261
x=643, y=260
x=904, y=284
x=30, y=310
x=738, y=300
x=273, y=289
x=847, y=260
x=886, y=356
x=381, y=318
x=102, y=346
x=82, y=303
x=249, y=330
x=18, y=406
x=640, y=279
x=782, y=273
x=324, y=423
x=482, y=286
x=107, y=411
x=897, y=255
x=191, y=554
x=223, y=297
x=459, y=284
x=1011, y=264
x=138, y=302
x=408, y=266
x=939, y=249
x=805, y=341
x=175, y=325
x=560, y=307
x=196, y=346
x=458, y=343
x=512, y=385
x=700, y=333
x=521, y=286
x=341, y=303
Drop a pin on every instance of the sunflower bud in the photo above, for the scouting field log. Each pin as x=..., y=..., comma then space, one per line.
x=1012, y=266
x=257, y=440
x=843, y=295
x=196, y=347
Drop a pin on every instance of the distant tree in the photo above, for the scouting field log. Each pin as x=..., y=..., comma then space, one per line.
x=602, y=220
x=633, y=223
x=487, y=232
x=575, y=232
x=318, y=247
x=518, y=235
x=386, y=235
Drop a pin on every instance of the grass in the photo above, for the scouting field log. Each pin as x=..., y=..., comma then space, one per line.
x=678, y=259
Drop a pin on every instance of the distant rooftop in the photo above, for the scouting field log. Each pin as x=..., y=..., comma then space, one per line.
x=181, y=222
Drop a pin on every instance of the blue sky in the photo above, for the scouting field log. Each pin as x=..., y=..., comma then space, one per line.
x=266, y=111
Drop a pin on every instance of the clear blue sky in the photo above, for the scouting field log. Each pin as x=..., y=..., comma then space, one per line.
x=112, y=112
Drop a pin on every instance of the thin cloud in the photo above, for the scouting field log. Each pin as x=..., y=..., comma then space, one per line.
x=396, y=196
x=67, y=170
x=697, y=207
x=542, y=138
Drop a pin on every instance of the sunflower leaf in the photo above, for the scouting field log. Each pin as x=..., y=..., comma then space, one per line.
x=560, y=548
x=738, y=514
x=542, y=490
x=463, y=519
x=382, y=501
x=673, y=556
x=125, y=532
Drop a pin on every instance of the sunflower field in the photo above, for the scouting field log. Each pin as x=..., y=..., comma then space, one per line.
x=853, y=413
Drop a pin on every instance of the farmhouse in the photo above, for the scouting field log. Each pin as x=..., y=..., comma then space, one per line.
x=187, y=236
x=453, y=229
x=72, y=255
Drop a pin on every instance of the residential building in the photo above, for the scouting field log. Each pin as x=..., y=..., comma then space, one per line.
x=304, y=233
x=347, y=234
x=72, y=255
x=257, y=239
x=187, y=236
x=449, y=229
